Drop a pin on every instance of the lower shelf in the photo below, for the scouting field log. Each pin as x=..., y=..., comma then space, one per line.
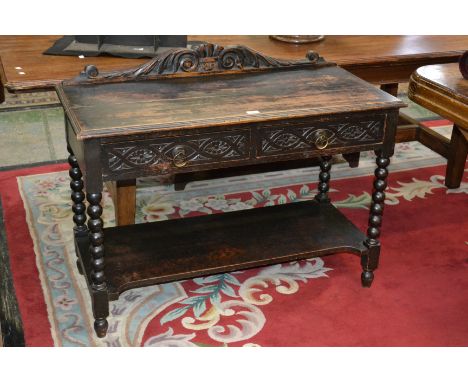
x=153, y=253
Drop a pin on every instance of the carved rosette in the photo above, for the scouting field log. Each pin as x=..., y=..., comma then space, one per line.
x=200, y=59
x=196, y=151
x=291, y=138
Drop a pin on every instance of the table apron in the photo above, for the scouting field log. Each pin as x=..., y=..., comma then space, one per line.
x=258, y=143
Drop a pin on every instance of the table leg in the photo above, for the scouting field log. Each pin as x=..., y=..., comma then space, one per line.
x=457, y=153
x=2, y=92
x=77, y=196
x=352, y=159
x=123, y=194
x=408, y=130
x=324, y=176
x=96, y=250
x=390, y=88
x=370, y=259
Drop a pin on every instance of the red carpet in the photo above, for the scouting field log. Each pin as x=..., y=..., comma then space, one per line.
x=419, y=296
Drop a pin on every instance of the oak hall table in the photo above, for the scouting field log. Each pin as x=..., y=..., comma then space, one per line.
x=442, y=89
x=256, y=109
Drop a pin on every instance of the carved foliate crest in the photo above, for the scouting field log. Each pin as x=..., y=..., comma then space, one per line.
x=204, y=58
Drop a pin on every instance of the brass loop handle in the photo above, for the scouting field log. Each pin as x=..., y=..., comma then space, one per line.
x=179, y=157
x=321, y=139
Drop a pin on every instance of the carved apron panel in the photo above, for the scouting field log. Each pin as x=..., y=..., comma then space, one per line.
x=175, y=152
x=314, y=136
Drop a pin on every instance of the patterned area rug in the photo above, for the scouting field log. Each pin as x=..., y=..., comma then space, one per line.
x=418, y=298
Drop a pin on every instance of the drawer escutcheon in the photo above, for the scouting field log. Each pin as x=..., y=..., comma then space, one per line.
x=321, y=139
x=179, y=157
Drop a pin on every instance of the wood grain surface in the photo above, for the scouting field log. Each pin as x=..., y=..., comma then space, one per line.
x=11, y=325
x=443, y=90
x=378, y=59
x=107, y=109
x=150, y=253
x=445, y=79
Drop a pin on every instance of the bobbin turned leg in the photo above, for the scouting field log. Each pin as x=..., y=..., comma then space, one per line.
x=324, y=177
x=370, y=259
x=96, y=250
x=77, y=196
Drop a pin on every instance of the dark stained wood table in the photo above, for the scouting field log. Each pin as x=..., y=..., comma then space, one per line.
x=442, y=89
x=256, y=109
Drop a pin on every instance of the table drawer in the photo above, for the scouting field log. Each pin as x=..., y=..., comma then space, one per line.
x=172, y=153
x=295, y=137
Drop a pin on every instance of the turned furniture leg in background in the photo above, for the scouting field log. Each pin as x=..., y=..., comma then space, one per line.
x=2, y=93
x=370, y=260
x=96, y=249
x=123, y=193
x=457, y=153
x=77, y=196
x=324, y=177
x=352, y=159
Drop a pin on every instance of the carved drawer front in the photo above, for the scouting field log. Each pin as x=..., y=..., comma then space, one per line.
x=166, y=154
x=309, y=136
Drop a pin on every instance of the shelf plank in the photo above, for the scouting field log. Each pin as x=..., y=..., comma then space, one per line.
x=153, y=253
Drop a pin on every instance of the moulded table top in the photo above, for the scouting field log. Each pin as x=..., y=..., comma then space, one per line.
x=446, y=79
x=442, y=89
